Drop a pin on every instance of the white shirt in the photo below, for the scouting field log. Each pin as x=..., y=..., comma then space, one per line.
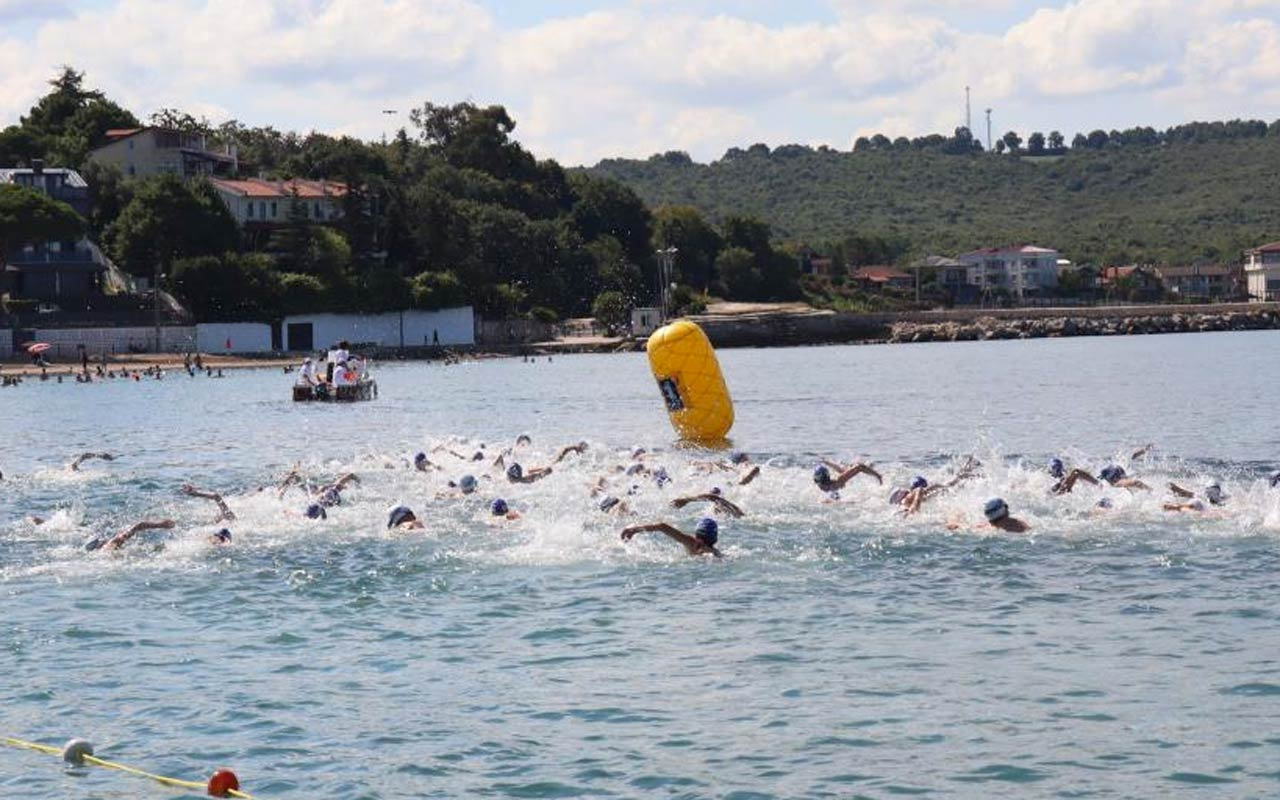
x=333, y=356
x=340, y=376
x=307, y=374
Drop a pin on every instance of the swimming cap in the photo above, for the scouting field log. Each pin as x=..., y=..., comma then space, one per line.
x=897, y=496
x=1111, y=474
x=316, y=511
x=467, y=484
x=95, y=543
x=707, y=532
x=223, y=535
x=995, y=510
x=398, y=515
x=478, y=455
x=515, y=472
x=919, y=482
x=632, y=469
x=821, y=474
x=738, y=457
x=498, y=507
x=330, y=498
x=420, y=459
x=1056, y=467
x=1215, y=495
x=639, y=451
x=609, y=502
x=715, y=490
x=660, y=475
x=524, y=438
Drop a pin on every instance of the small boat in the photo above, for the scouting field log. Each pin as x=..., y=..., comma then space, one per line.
x=365, y=389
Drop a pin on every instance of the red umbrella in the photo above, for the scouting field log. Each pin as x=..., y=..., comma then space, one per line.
x=38, y=347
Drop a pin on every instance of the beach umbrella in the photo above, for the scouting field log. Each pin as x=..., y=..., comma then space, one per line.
x=38, y=347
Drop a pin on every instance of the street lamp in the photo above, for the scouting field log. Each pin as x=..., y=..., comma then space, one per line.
x=666, y=261
x=387, y=112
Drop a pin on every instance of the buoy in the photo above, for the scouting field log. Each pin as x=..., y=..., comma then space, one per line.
x=222, y=783
x=75, y=750
x=684, y=364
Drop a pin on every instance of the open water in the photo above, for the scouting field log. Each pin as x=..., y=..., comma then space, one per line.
x=837, y=650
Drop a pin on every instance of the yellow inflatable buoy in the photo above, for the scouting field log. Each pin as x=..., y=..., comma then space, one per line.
x=689, y=378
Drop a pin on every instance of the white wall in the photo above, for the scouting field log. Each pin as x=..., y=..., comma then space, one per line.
x=455, y=326
x=245, y=337
x=66, y=341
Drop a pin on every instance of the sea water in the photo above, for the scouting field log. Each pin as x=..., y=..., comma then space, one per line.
x=836, y=650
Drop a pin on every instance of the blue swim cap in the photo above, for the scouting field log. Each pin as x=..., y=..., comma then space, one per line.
x=515, y=472
x=419, y=460
x=919, y=482
x=330, y=498
x=467, y=484
x=95, y=543
x=316, y=511
x=1196, y=505
x=715, y=490
x=498, y=507
x=1275, y=478
x=479, y=456
x=632, y=469
x=995, y=510
x=223, y=535
x=1056, y=467
x=524, y=438
x=707, y=532
x=1111, y=474
x=399, y=514
x=609, y=502
x=660, y=475
x=821, y=474
x=1214, y=494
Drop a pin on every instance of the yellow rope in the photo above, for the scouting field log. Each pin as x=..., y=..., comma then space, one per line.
x=44, y=748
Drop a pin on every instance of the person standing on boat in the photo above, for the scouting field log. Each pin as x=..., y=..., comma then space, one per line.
x=307, y=375
x=331, y=362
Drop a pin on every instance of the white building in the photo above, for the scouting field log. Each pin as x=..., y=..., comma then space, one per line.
x=1018, y=269
x=449, y=326
x=1262, y=272
x=144, y=152
x=258, y=202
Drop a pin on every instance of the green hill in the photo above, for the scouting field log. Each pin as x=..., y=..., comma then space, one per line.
x=1169, y=201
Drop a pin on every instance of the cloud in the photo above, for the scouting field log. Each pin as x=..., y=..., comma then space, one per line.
x=634, y=77
x=16, y=10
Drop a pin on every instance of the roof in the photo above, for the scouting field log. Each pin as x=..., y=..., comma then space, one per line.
x=285, y=190
x=70, y=176
x=122, y=133
x=1023, y=249
x=1273, y=247
x=1207, y=270
x=880, y=274
x=939, y=262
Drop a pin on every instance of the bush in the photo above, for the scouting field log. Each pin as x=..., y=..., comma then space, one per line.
x=432, y=291
x=685, y=300
x=301, y=294
x=611, y=310
x=544, y=314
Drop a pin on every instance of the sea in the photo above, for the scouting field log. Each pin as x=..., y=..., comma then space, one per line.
x=838, y=648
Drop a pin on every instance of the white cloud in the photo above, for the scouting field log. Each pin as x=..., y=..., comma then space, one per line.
x=645, y=76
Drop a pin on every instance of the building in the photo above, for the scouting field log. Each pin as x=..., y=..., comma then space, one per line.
x=880, y=277
x=1206, y=281
x=144, y=152
x=1137, y=282
x=255, y=202
x=1020, y=270
x=950, y=276
x=65, y=273
x=1262, y=272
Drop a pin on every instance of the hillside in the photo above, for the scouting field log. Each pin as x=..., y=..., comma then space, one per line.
x=1170, y=202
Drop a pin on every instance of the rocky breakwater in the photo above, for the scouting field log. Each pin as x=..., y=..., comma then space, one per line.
x=983, y=328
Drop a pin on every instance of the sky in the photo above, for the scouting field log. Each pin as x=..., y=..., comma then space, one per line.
x=593, y=79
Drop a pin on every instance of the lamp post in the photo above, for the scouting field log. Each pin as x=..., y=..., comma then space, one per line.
x=666, y=261
x=387, y=112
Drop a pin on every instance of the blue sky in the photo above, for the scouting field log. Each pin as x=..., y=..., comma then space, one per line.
x=589, y=79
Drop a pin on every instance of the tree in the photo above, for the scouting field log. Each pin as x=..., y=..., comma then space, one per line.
x=466, y=135
x=1035, y=144
x=605, y=206
x=1055, y=140
x=611, y=310
x=167, y=220
x=1079, y=142
x=1097, y=140
x=1012, y=141
x=29, y=217
x=999, y=146
x=697, y=243
x=433, y=291
x=85, y=128
x=48, y=118
x=739, y=273
x=228, y=288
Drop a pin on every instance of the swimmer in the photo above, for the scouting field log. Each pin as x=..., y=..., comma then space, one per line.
x=578, y=449
x=822, y=475
x=121, y=539
x=1212, y=493
x=701, y=543
x=1193, y=507
x=224, y=512
x=517, y=474
x=612, y=505
x=1066, y=481
x=1274, y=479
x=402, y=518
x=738, y=462
x=463, y=486
x=1141, y=453
x=1115, y=476
x=74, y=466
x=422, y=464
x=500, y=510
x=524, y=439
x=714, y=497
x=996, y=512
x=220, y=538
x=315, y=511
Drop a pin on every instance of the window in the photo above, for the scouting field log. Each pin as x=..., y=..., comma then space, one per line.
x=317, y=209
x=132, y=171
x=250, y=214
x=273, y=209
x=262, y=209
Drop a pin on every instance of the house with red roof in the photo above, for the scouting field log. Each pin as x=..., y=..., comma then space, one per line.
x=881, y=277
x=147, y=151
x=1020, y=269
x=257, y=202
x=1262, y=272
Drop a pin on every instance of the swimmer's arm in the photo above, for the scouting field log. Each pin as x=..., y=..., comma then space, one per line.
x=565, y=451
x=911, y=503
x=118, y=541
x=724, y=505
x=1133, y=483
x=1078, y=474
x=225, y=511
x=659, y=527
x=83, y=457
x=1141, y=452
x=751, y=475
x=1180, y=492
x=341, y=483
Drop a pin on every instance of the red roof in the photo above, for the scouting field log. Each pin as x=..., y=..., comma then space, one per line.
x=301, y=187
x=1011, y=248
x=1273, y=247
x=880, y=274
x=122, y=133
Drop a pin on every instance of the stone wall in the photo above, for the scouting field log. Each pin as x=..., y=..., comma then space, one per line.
x=985, y=328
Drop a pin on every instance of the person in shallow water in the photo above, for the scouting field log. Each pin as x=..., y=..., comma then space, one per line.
x=499, y=510
x=996, y=513
x=1116, y=476
x=1212, y=493
x=402, y=518
x=701, y=543
x=825, y=481
x=517, y=474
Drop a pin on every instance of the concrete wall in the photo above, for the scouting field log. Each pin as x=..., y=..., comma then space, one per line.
x=513, y=331
x=450, y=326
x=6, y=342
x=245, y=337
x=66, y=341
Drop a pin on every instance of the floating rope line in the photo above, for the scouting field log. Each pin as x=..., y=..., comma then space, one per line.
x=77, y=752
